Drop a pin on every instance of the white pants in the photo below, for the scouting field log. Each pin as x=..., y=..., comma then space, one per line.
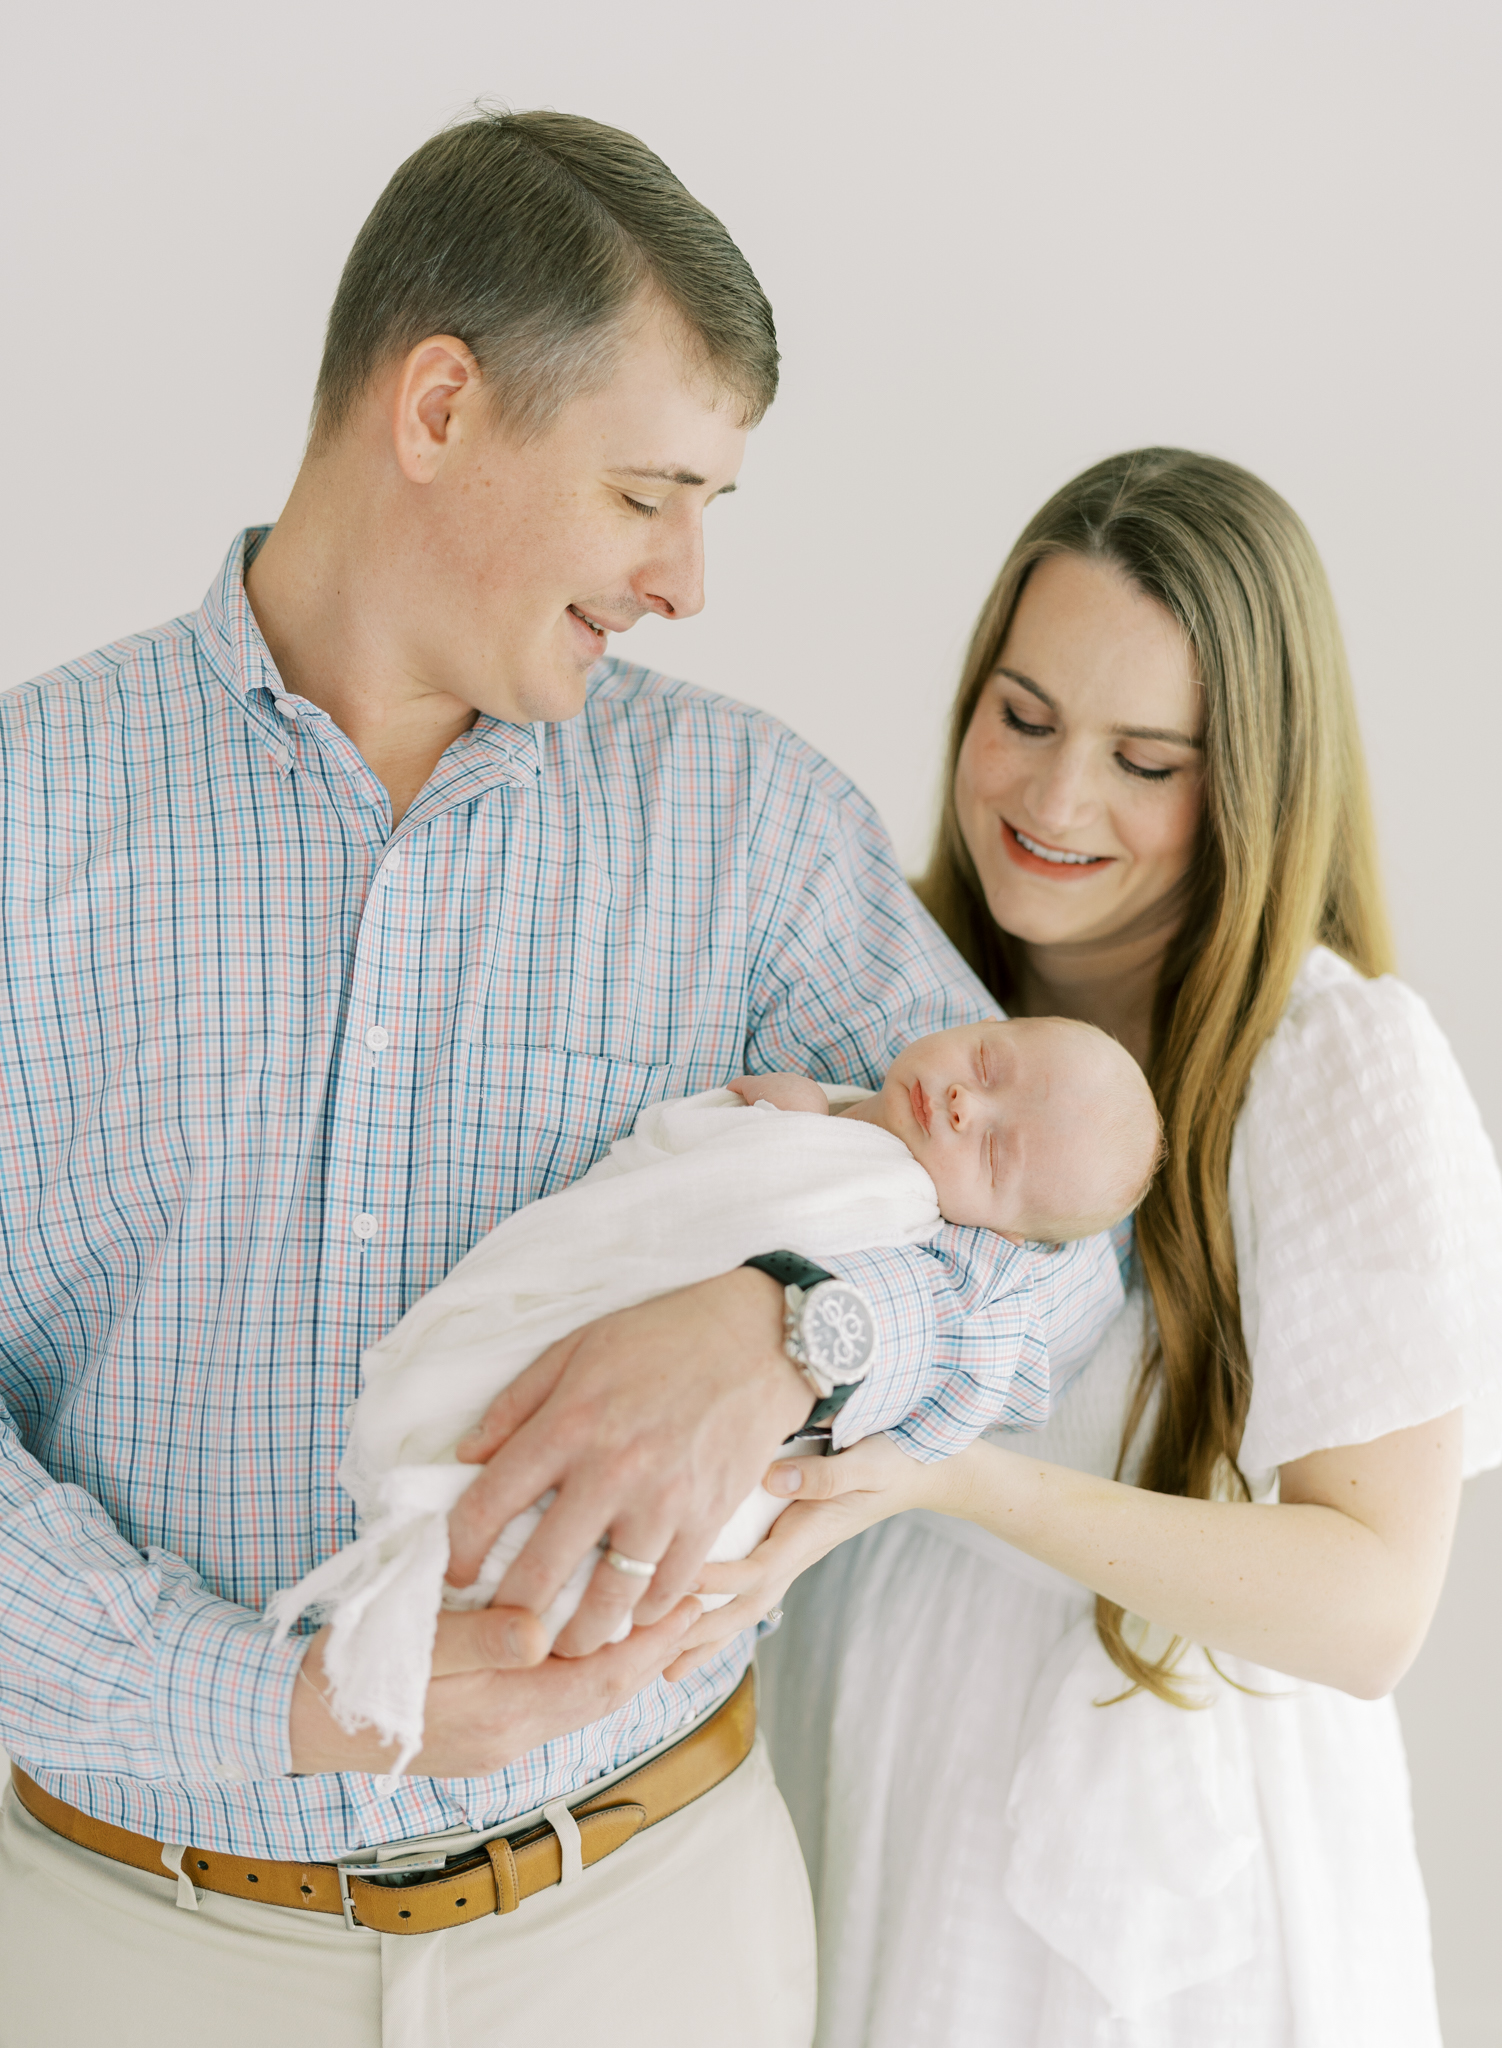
x=699, y=1930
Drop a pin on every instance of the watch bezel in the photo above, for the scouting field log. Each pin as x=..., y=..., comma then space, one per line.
x=800, y=1302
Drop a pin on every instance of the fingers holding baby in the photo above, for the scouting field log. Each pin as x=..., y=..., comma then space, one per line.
x=830, y=1500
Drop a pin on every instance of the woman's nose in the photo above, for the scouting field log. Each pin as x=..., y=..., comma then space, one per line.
x=1060, y=797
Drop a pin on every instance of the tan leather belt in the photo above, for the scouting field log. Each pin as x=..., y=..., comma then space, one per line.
x=494, y=1878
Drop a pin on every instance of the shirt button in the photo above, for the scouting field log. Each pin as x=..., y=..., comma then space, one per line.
x=286, y=707
x=378, y=1038
x=365, y=1226
x=229, y=1774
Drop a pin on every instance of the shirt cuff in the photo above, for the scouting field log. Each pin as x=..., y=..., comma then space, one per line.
x=906, y=1318
x=223, y=1684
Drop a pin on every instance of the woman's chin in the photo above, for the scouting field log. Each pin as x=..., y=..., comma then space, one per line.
x=1067, y=920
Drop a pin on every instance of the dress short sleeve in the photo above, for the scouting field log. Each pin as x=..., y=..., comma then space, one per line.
x=1367, y=1210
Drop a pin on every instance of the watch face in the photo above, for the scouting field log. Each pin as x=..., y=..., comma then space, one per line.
x=837, y=1332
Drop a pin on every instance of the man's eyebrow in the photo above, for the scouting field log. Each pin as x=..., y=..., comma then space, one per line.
x=674, y=476
x=1125, y=732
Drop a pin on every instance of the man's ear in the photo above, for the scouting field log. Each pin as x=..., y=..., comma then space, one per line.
x=438, y=393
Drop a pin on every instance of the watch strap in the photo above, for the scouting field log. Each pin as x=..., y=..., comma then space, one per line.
x=824, y=1412
x=790, y=1269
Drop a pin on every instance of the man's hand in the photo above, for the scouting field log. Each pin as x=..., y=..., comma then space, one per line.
x=653, y=1424
x=494, y=1694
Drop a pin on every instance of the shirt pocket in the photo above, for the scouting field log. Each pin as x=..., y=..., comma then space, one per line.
x=555, y=1112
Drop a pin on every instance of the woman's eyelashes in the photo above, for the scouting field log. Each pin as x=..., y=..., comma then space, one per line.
x=1015, y=722
x=1011, y=718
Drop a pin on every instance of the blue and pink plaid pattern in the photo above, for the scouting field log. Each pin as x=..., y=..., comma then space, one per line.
x=268, y=1069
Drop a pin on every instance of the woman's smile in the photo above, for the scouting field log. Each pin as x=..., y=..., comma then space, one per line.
x=1037, y=857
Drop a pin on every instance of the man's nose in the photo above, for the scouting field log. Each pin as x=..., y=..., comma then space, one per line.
x=672, y=582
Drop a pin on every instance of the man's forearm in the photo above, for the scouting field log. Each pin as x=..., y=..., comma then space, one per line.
x=122, y=1665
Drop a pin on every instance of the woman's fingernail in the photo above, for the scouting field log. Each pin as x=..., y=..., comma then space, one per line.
x=785, y=1479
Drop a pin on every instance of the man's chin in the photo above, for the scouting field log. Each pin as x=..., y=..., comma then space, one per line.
x=548, y=696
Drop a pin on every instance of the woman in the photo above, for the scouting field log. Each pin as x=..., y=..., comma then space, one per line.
x=1036, y=1811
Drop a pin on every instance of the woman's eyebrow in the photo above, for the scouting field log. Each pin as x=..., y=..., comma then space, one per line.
x=1015, y=675
x=1157, y=732
x=1125, y=732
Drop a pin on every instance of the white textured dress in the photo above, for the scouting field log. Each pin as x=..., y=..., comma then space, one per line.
x=998, y=1862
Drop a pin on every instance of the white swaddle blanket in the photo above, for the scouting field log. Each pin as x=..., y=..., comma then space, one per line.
x=698, y=1187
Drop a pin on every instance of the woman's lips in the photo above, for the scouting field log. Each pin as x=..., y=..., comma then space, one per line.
x=1056, y=870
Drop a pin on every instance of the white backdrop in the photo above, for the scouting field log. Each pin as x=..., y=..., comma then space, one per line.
x=1002, y=240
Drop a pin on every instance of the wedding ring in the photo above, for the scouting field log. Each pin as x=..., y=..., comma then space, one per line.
x=633, y=1567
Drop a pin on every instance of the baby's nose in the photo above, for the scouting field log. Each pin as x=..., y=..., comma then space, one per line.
x=957, y=1106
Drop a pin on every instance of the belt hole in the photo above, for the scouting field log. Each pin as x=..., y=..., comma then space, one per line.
x=251, y=1877
x=306, y=1890
x=405, y=1914
x=201, y=1864
x=461, y=1902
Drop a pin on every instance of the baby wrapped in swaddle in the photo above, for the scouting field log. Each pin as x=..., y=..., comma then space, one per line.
x=1038, y=1128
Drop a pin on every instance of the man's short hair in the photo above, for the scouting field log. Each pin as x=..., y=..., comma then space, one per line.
x=530, y=237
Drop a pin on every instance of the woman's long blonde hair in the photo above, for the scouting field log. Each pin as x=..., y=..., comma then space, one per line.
x=1286, y=857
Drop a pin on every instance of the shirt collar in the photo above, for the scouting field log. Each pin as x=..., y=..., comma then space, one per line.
x=243, y=662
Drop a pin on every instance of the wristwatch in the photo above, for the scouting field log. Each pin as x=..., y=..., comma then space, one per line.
x=828, y=1330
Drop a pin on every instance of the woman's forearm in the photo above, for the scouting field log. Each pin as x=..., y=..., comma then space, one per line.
x=1305, y=1587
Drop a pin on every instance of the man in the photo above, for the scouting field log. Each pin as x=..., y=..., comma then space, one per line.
x=344, y=915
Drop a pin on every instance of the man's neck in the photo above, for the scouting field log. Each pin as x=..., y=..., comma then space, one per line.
x=316, y=590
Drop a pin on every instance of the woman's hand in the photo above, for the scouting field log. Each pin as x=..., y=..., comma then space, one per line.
x=850, y=1492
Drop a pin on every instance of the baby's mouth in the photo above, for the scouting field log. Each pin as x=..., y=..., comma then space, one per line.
x=920, y=1107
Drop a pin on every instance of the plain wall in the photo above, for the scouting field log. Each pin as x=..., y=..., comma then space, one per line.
x=1002, y=241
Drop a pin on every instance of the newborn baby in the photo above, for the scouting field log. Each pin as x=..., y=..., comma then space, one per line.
x=1038, y=1128
x=1035, y=1128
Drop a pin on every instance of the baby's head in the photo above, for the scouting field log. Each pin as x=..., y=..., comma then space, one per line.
x=1038, y=1128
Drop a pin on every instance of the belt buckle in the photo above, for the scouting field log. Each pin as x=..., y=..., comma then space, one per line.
x=363, y=1864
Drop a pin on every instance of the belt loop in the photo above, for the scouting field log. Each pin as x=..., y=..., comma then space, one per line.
x=566, y=1828
x=508, y=1890
x=172, y=1856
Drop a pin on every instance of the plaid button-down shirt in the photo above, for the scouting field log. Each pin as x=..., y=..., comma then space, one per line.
x=269, y=1068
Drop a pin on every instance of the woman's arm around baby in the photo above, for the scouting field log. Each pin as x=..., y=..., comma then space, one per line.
x=1336, y=1583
